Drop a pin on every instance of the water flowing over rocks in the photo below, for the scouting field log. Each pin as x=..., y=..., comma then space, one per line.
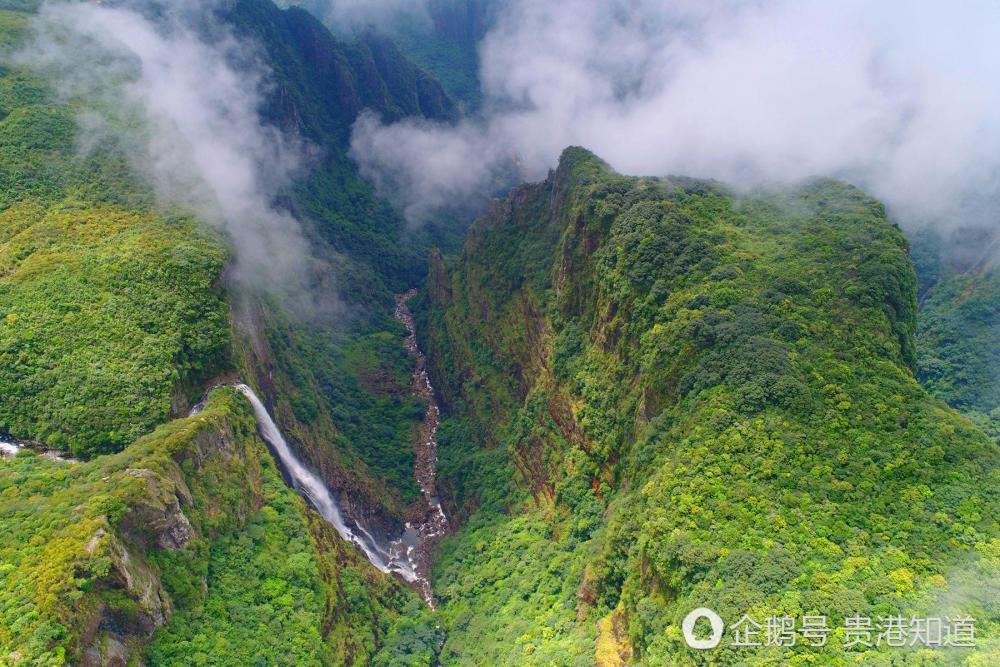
x=382, y=554
x=407, y=556
x=10, y=449
x=433, y=523
x=410, y=554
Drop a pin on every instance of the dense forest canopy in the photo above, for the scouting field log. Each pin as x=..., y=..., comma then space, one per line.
x=618, y=399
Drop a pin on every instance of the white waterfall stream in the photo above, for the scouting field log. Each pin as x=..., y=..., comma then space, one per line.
x=10, y=449
x=390, y=557
x=406, y=556
x=409, y=555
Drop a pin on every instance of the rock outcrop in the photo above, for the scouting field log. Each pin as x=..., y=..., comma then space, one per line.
x=167, y=505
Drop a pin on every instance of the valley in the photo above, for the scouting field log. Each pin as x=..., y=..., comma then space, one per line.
x=317, y=350
x=429, y=523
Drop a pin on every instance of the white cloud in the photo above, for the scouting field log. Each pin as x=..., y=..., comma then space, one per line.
x=896, y=96
x=183, y=96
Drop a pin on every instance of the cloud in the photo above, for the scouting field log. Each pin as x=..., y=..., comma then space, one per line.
x=897, y=97
x=181, y=94
x=458, y=163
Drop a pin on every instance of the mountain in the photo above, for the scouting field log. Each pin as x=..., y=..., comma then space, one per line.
x=661, y=396
x=959, y=334
x=176, y=536
x=647, y=394
x=449, y=46
x=331, y=376
x=111, y=310
x=321, y=85
x=442, y=36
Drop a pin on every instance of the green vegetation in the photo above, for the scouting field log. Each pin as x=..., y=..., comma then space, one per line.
x=351, y=394
x=444, y=41
x=659, y=396
x=706, y=401
x=97, y=553
x=107, y=308
x=264, y=600
x=959, y=353
x=277, y=597
x=105, y=312
x=69, y=546
x=112, y=320
x=959, y=335
x=448, y=45
x=324, y=85
x=340, y=374
x=509, y=591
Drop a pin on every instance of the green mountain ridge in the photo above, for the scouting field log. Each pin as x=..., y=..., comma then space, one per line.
x=442, y=36
x=704, y=400
x=117, y=314
x=656, y=395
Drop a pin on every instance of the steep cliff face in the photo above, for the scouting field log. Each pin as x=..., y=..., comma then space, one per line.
x=323, y=83
x=134, y=556
x=337, y=376
x=959, y=336
x=85, y=559
x=704, y=400
x=179, y=537
x=318, y=85
x=449, y=46
x=442, y=36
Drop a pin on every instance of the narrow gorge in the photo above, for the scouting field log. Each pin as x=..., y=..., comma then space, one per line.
x=376, y=334
x=431, y=523
x=410, y=554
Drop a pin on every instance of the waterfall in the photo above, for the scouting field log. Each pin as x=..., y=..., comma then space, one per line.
x=8, y=449
x=394, y=557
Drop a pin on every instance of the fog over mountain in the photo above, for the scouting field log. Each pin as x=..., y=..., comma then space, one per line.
x=896, y=97
x=293, y=371
x=349, y=15
x=181, y=95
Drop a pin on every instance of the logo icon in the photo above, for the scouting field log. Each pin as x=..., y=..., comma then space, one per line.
x=687, y=627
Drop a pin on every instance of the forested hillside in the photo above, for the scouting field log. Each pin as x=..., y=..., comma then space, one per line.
x=337, y=375
x=642, y=395
x=662, y=396
x=116, y=312
x=442, y=36
x=189, y=534
x=959, y=333
x=110, y=311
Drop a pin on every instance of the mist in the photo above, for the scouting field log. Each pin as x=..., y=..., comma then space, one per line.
x=181, y=95
x=458, y=163
x=348, y=16
x=899, y=98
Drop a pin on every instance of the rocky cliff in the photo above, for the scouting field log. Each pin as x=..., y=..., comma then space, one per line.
x=682, y=397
